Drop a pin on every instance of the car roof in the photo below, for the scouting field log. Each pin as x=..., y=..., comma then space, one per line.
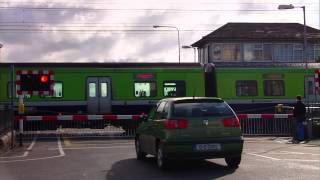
x=188, y=99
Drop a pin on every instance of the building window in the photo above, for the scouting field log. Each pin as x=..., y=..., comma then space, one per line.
x=298, y=52
x=283, y=52
x=205, y=54
x=274, y=88
x=145, y=89
x=247, y=88
x=174, y=89
x=226, y=52
x=252, y=52
x=267, y=52
x=317, y=53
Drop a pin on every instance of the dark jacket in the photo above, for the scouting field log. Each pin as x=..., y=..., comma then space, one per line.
x=299, y=110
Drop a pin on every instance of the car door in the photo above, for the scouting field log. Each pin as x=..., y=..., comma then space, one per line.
x=151, y=130
x=144, y=131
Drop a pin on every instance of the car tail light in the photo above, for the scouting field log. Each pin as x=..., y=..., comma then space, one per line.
x=231, y=122
x=176, y=124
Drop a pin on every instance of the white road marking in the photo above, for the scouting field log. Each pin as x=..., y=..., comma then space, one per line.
x=267, y=157
x=26, y=153
x=60, y=147
x=301, y=153
x=105, y=147
x=301, y=160
x=61, y=154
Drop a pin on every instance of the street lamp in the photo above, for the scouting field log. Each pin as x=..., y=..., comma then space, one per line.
x=158, y=26
x=290, y=6
x=194, y=51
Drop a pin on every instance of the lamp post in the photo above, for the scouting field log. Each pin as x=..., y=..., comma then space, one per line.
x=0, y=51
x=290, y=6
x=158, y=26
x=194, y=51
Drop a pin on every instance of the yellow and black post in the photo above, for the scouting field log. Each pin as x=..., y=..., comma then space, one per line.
x=21, y=113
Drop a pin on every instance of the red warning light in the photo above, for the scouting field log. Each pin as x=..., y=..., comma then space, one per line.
x=44, y=79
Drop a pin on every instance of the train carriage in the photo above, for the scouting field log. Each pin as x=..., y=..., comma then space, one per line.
x=133, y=88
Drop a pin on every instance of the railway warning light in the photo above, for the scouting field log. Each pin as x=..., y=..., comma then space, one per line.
x=44, y=78
x=34, y=82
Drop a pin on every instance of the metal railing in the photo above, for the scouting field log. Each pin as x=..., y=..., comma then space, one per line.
x=266, y=124
x=5, y=119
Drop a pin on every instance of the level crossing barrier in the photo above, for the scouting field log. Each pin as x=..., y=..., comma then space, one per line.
x=266, y=124
x=125, y=125
x=80, y=125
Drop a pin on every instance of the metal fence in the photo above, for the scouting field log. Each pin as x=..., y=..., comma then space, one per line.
x=266, y=124
x=5, y=119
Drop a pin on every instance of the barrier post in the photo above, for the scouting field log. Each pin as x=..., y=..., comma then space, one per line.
x=21, y=112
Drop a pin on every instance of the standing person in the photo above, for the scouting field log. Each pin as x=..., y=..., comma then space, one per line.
x=299, y=115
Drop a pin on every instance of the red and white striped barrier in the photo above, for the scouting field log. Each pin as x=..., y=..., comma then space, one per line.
x=264, y=116
x=133, y=117
x=79, y=117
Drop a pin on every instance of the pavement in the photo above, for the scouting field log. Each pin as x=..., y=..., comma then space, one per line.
x=284, y=140
x=5, y=142
x=114, y=159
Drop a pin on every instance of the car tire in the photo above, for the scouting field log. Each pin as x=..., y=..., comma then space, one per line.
x=233, y=162
x=140, y=154
x=162, y=161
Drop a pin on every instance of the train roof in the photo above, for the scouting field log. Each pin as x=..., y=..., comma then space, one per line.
x=264, y=65
x=166, y=65
x=104, y=65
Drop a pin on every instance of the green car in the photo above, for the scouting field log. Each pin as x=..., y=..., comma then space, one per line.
x=190, y=128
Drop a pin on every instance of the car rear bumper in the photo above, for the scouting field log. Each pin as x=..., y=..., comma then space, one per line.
x=231, y=146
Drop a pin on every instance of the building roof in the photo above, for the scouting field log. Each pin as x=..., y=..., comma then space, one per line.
x=258, y=31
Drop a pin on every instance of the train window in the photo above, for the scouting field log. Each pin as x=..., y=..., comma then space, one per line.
x=57, y=90
x=274, y=88
x=9, y=85
x=145, y=89
x=104, y=89
x=247, y=88
x=92, y=89
x=174, y=89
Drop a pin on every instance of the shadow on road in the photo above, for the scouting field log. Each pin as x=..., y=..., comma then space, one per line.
x=147, y=169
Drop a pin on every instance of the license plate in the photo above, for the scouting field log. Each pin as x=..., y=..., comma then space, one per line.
x=208, y=147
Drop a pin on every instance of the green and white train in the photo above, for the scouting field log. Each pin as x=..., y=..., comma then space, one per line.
x=133, y=88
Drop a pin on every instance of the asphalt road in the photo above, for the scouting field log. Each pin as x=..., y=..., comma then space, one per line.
x=100, y=159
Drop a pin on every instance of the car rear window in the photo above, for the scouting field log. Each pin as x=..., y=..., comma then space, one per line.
x=201, y=109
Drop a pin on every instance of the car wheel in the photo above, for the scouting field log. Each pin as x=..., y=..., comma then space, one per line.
x=162, y=162
x=233, y=162
x=140, y=154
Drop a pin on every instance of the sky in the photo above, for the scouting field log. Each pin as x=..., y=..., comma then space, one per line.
x=122, y=30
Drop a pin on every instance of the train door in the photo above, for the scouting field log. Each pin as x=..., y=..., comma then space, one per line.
x=99, y=95
x=310, y=92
